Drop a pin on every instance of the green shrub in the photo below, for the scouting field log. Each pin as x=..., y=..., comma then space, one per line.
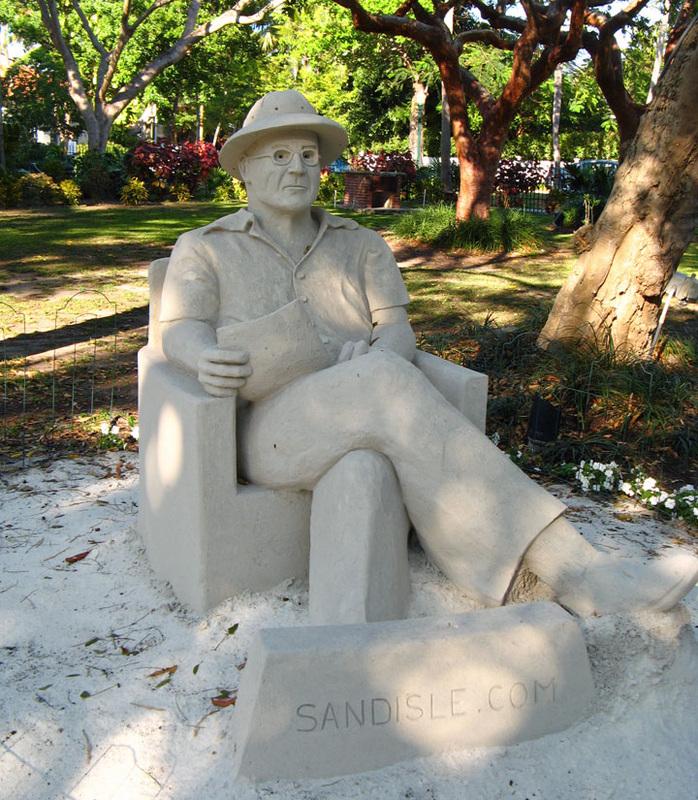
x=224, y=188
x=180, y=192
x=9, y=191
x=134, y=193
x=27, y=155
x=55, y=169
x=425, y=225
x=329, y=184
x=38, y=189
x=100, y=175
x=503, y=231
x=71, y=192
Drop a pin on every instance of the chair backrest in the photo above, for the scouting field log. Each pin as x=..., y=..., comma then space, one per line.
x=156, y=278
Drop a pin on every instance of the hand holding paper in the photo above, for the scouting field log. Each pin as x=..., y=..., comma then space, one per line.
x=282, y=346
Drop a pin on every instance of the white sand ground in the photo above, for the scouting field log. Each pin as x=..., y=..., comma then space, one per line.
x=82, y=716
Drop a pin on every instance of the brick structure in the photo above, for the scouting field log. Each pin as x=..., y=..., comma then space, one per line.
x=372, y=189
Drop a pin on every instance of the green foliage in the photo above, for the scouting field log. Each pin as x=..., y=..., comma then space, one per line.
x=331, y=182
x=100, y=175
x=37, y=189
x=152, y=29
x=614, y=405
x=223, y=188
x=588, y=187
x=504, y=231
x=180, y=192
x=362, y=81
x=26, y=155
x=70, y=191
x=134, y=192
x=36, y=95
x=9, y=191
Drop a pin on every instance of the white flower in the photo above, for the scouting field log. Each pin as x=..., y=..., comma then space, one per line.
x=135, y=432
x=115, y=430
x=626, y=488
x=670, y=503
x=649, y=484
x=104, y=428
x=653, y=500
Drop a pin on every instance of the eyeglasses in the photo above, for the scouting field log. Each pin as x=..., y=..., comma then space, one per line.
x=281, y=156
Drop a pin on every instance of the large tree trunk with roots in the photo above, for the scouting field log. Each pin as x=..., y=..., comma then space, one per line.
x=614, y=292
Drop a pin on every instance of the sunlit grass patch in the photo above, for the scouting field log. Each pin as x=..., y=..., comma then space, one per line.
x=504, y=231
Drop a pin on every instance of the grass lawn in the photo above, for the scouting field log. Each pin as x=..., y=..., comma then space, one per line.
x=480, y=310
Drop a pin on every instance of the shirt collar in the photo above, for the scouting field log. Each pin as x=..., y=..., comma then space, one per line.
x=242, y=221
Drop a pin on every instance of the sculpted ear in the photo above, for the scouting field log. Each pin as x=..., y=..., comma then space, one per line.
x=242, y=168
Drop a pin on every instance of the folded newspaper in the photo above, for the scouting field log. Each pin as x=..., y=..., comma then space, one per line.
x=283, y=346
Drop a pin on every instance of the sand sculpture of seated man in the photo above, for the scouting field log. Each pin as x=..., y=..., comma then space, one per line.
x=333, y=292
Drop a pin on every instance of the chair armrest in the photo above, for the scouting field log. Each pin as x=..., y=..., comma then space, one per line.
x=464, y=388
x=187, y=424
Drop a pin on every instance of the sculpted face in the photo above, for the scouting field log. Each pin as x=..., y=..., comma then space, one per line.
x=282, y=172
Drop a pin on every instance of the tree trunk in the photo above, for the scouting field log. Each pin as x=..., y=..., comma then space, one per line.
x=557, y=113
x=3, y=163
x=659, y=53
x=477, y=161
x=98, y=128
x=614, y=292
x=445, y=150
x=416, y=138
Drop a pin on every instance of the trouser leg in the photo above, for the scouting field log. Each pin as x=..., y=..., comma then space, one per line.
x=474, y=511
x=359, y=570
x=590, y=582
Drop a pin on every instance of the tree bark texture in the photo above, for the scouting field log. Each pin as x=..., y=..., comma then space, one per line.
x=613, y=295
x=420, y=92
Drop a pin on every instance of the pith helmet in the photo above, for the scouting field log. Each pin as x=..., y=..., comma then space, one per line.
x=283, y=111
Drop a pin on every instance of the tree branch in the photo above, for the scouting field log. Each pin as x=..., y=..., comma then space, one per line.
x=151, y=10
x=688, y=10
x=98, y=46
x=484, y=101
x=608, y=67
x=132, y=89
x=391, y=25
x=498, y=19
x=192, y=16
x=76, y=88
x=485, y=36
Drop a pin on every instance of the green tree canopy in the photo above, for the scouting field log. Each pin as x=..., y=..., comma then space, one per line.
x=113, y=49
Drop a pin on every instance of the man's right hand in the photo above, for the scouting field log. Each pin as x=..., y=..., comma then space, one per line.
x=222, y=372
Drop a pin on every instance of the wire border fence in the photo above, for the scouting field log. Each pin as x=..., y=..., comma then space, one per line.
x=63, y=379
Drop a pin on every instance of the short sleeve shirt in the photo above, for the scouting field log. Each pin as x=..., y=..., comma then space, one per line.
x=229, y=272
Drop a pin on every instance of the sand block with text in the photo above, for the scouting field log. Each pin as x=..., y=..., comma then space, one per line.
x=333, y=700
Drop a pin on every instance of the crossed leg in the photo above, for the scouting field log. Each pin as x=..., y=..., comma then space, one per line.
x=476, y=514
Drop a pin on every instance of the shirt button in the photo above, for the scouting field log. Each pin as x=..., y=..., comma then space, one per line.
x=303, y=298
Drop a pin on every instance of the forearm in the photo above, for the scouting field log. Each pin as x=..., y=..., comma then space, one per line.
x=184, y=340
x=392, y=331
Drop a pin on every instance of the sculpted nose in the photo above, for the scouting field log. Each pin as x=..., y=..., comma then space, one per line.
x=297, y=167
